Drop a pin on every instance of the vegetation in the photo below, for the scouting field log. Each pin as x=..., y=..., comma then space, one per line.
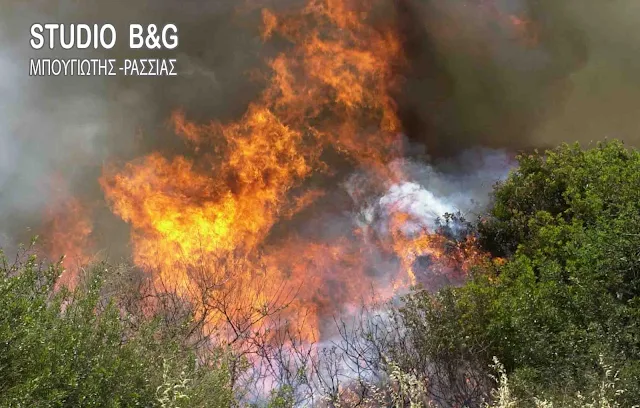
x=552, y=321
x=566, y=297
x=79, y=349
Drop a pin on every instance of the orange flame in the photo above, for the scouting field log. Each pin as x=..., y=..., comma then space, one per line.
x=68, y=226
x=331, y=90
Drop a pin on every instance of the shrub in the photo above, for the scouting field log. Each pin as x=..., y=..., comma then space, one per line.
x=61, y=348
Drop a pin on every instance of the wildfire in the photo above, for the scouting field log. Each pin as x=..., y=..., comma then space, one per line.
x=205, y=220
x=69, y=227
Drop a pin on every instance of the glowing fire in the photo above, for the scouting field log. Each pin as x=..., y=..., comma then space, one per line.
x=208, y=217
x=68, y=229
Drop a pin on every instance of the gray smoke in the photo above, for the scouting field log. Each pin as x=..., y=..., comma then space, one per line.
x=522, y=74
x=56, y=133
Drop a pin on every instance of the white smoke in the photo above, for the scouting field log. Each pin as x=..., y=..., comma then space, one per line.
x=426, y=192
x=422, y=206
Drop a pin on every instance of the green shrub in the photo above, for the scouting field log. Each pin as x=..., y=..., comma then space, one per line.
x=61, y=348
x=568, y=225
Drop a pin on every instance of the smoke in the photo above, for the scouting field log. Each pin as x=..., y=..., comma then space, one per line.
x=426, y=193
x=521, y=74
x=56, y=133
x=502, y=74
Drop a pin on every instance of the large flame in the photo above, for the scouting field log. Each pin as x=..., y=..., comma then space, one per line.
x=205, y=220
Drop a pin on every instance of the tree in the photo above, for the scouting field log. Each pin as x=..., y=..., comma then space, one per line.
x=567, y=224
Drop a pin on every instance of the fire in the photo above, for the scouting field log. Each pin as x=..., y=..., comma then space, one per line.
x=206, y=220
x=68, y=225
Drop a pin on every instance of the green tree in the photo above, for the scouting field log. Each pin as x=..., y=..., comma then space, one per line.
x=75, y=349
x=567, y=224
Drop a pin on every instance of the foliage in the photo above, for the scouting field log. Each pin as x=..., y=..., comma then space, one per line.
x=61, y=348
x=282, y=397
x=603, y=396
x=568, y=225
